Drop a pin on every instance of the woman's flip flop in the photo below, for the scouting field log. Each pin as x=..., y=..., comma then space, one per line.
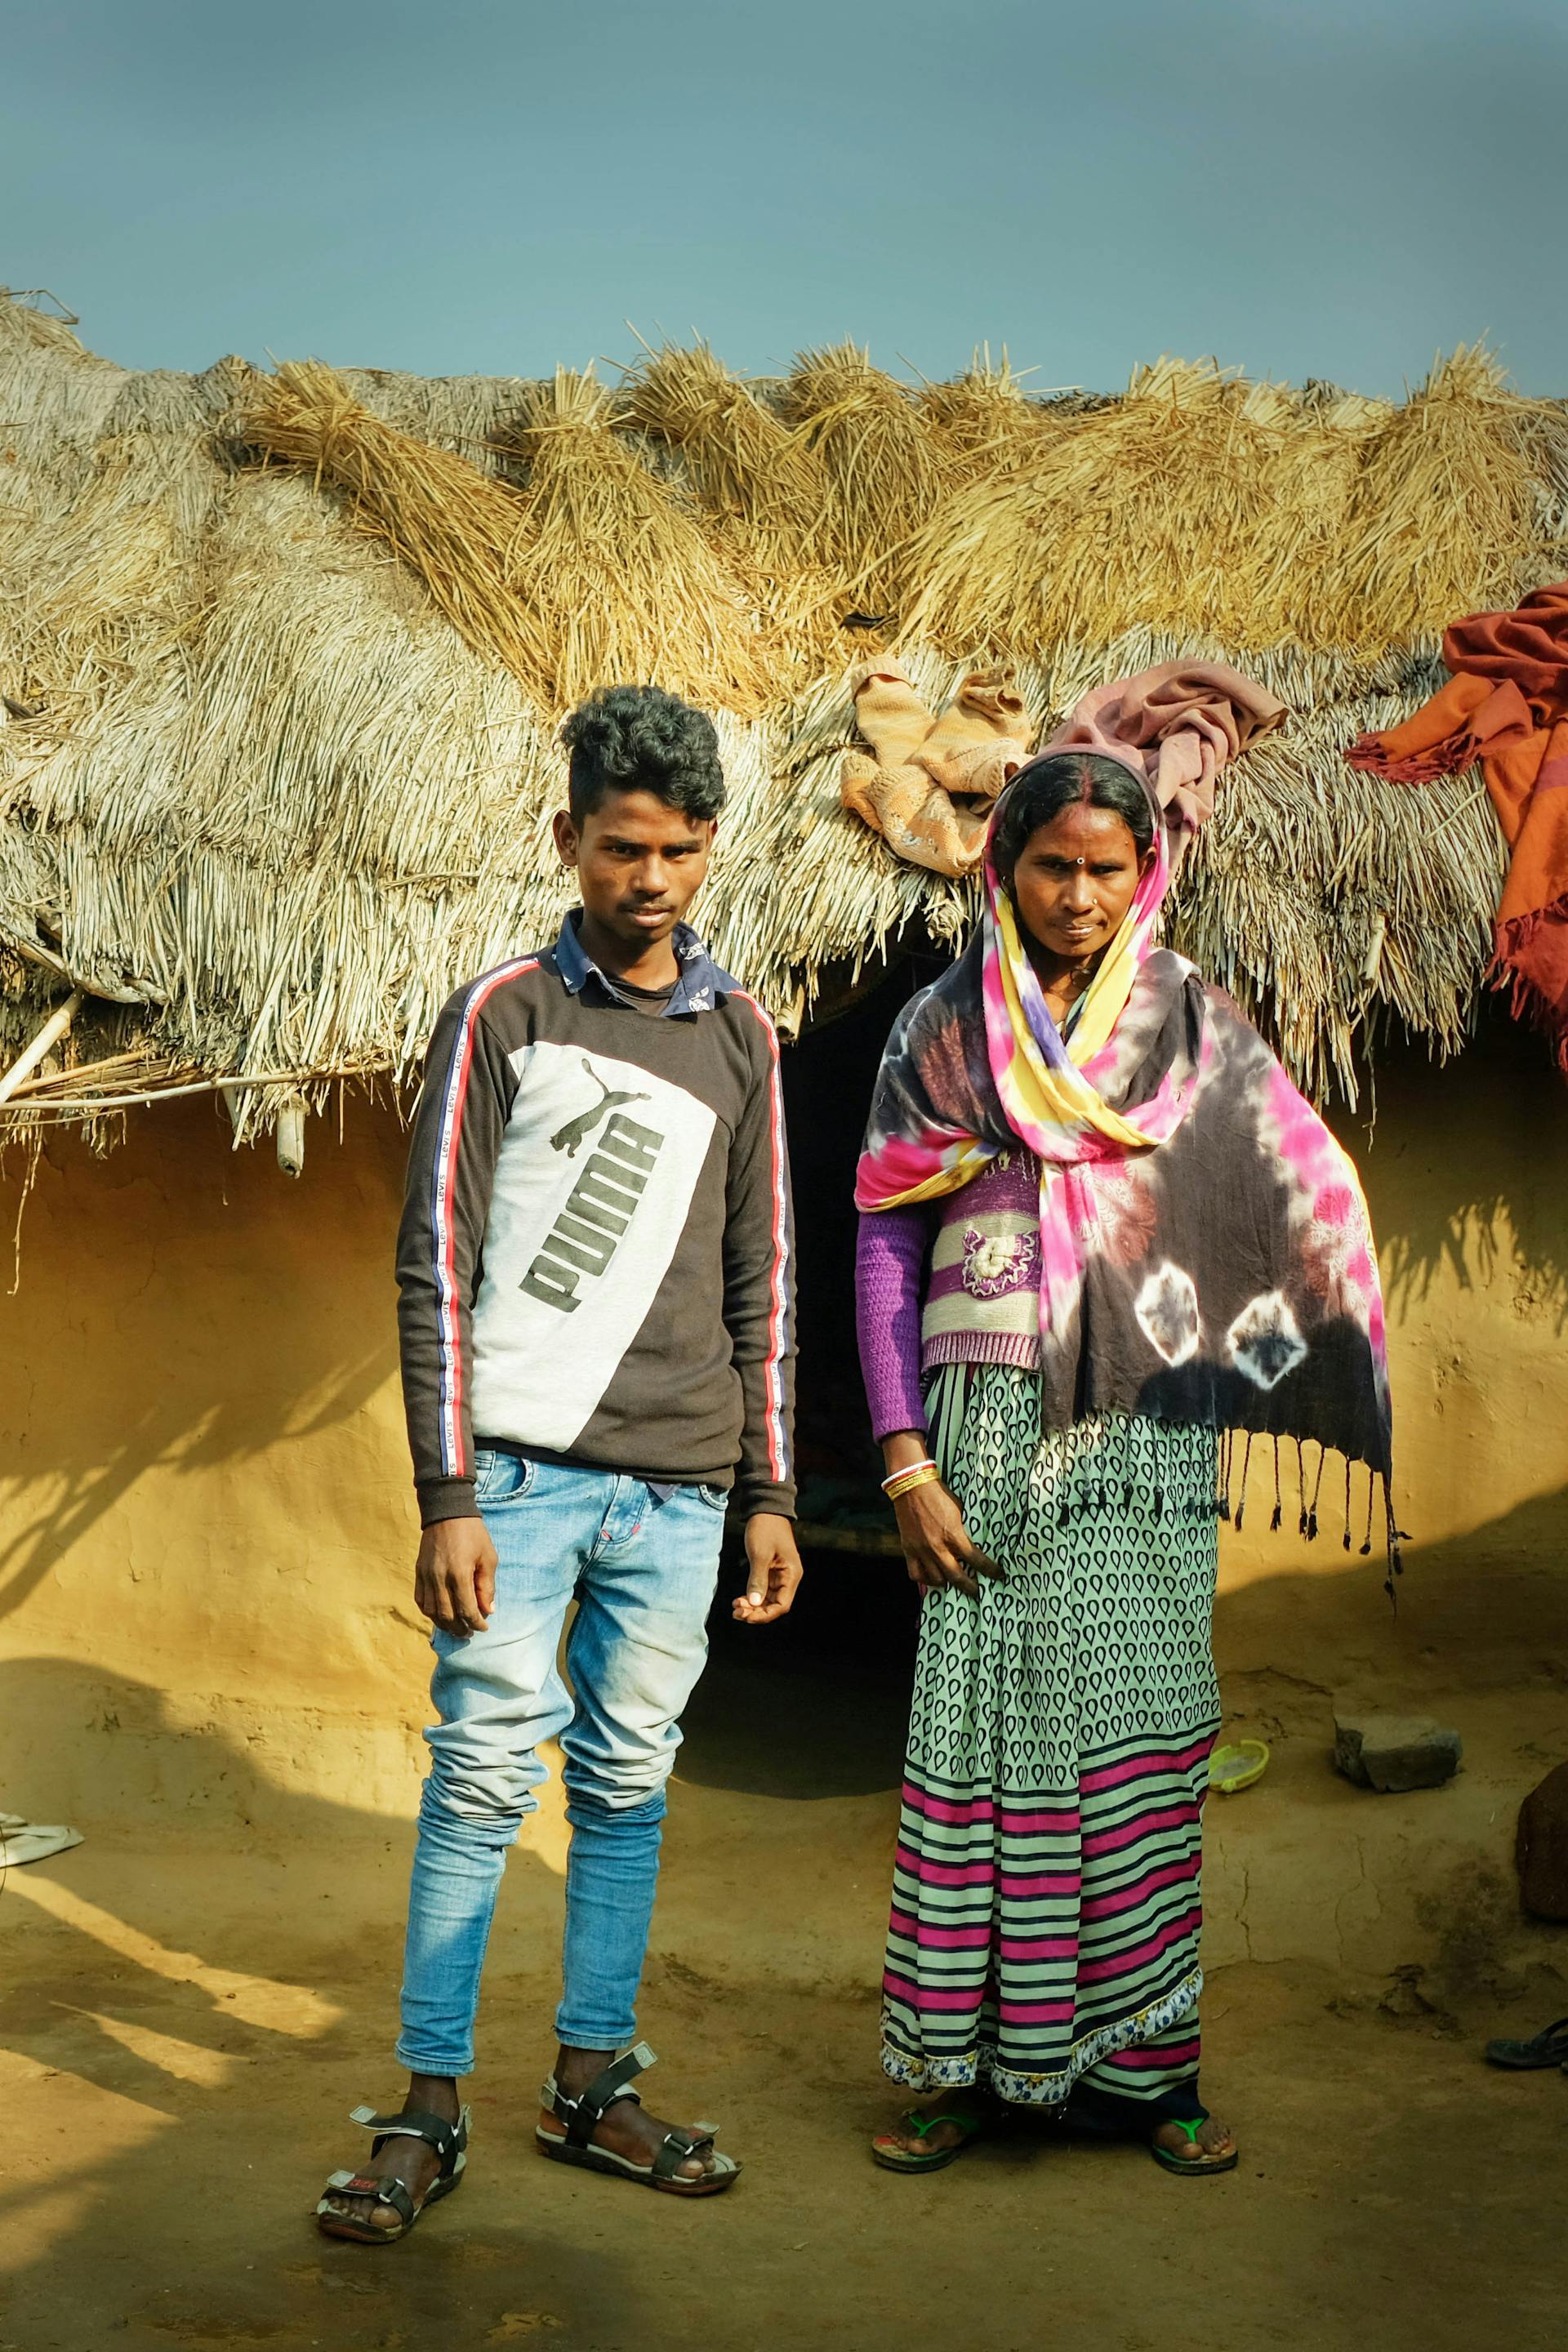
x=1547, y=2048
x=886, y=2151
x=1203, y=2163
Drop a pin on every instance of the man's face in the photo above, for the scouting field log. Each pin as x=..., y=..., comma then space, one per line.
x=639, y=864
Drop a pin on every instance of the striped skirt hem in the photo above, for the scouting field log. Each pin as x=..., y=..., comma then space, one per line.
x=983, y=2066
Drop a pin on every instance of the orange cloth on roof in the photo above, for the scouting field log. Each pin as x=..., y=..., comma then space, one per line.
x=1507, y=706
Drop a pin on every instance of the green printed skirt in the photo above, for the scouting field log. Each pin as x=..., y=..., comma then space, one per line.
x=1046, y=1907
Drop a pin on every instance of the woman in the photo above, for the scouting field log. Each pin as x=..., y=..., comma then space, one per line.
x=1100, y=1231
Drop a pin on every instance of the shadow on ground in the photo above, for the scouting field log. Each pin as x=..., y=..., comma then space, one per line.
x=190, y=2010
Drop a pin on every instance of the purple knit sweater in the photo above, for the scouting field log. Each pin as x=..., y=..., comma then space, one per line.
x=957, y=1282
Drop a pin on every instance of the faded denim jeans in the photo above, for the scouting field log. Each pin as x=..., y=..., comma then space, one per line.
x=643, y=1572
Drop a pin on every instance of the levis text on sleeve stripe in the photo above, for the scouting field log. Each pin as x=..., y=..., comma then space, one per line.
x=779, y=1281
x=454, y=1453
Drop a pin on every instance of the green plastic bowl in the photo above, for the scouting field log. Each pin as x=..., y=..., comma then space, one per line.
x=1238, y=1764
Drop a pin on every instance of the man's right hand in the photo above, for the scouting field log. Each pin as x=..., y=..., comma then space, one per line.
x=455, y=1576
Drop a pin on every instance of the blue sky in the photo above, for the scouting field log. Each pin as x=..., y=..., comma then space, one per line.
x=1309, y=189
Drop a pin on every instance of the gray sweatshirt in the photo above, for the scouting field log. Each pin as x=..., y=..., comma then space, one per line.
x=596, y=1259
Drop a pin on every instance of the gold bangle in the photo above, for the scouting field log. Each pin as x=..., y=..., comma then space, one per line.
x=925, y=1475
x=893, y=1477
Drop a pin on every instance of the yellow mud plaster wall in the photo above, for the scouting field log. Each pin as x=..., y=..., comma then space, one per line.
x=206, y=1528
x=205, y=1515
x=1466, y=1171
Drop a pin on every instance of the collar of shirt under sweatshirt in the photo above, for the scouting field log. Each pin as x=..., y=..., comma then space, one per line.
x=696, y=988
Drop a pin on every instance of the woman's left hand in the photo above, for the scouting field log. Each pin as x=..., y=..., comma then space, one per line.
x=937, y=1548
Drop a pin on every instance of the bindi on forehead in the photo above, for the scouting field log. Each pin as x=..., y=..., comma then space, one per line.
x=1080, y=835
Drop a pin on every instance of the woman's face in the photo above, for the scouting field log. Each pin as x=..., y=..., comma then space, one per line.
x=1075, y=880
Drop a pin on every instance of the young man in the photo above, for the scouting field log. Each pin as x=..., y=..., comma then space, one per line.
x=596, y=1338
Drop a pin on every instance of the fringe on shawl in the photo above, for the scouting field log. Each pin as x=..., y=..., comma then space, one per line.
x=1527, y=1000
x=1080, y=1494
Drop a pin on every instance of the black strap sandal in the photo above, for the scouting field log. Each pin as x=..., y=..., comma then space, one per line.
x=583, y=2115
x=450, y=2142
x=1547, y=2048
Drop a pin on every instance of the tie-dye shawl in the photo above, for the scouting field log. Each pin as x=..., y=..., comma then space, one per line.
x=1205, y=1254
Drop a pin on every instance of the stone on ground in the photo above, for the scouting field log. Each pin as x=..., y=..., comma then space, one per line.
x=1541, y=1850
x=1393, y=1752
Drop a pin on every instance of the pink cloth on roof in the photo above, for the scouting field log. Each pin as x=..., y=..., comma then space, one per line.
x=1175, y=725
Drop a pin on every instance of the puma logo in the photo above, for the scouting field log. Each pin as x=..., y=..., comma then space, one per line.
x=599, y=1209
x=571, y=1137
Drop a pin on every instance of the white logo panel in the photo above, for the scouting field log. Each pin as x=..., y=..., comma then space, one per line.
x=592, y=1192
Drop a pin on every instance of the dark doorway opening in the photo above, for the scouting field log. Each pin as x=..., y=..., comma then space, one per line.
x=816, y=1706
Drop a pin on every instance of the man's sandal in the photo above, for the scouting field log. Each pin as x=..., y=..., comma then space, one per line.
x=885, y=2150
x=583, y=2115
x=1203, y=2163
x=450, y=2142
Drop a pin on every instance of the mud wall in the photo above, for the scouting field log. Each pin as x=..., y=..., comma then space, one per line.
x=206, y=1528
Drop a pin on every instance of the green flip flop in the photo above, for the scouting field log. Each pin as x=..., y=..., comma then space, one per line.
x=1198, y=2166
x=972, y=2123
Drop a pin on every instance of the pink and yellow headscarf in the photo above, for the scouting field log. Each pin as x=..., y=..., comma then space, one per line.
x=1173, y=728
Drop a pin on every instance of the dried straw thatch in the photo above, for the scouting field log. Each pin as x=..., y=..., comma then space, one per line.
x=983, y=418
x=1203, y=505
x=1461, y=449
x=622, y=579
x=277, y=740
x=590, y=569
x=1158, y=509
x=886, y=471
x=762, y=488
x=461, y=532
x=749, y=469
x=1323, y=907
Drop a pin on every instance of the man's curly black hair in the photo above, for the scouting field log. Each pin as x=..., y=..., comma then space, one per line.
x=639, y=738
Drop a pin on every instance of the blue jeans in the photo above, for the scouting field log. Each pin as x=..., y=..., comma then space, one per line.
x=643, y=1573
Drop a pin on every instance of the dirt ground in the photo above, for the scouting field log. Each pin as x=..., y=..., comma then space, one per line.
x=187, y=2015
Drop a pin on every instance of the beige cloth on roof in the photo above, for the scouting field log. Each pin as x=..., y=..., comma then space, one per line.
x=905, y=790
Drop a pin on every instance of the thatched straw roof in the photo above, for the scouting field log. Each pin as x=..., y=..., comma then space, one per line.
x=282, y=657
